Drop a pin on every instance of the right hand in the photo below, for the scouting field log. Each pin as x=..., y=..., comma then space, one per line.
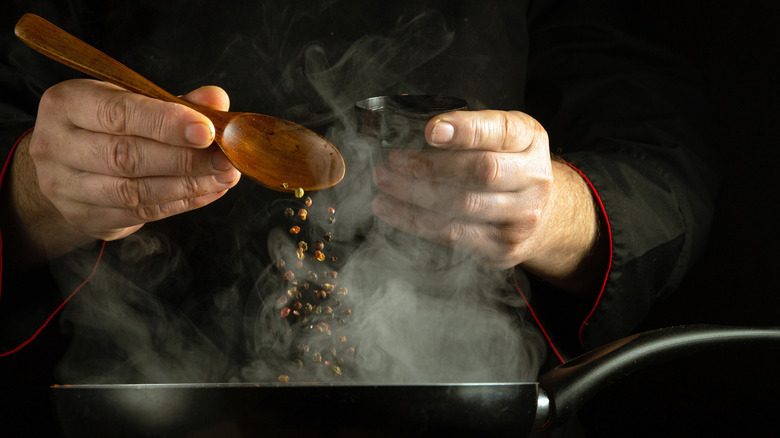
x=110, y=160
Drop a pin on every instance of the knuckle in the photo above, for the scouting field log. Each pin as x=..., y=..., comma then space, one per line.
x=51, y=99
x=509, y=133
x=112, y=113
x=38, y=148
x=50, y=187
x=157, y=126
x=421, y=167
x=520, y=128
x=148, y=214
x=192, y=187
x=472, y=204
x=185, y=161
x=488, y=169
x=477, y=127
x=510, y=242
x=127, y=193
x=122, y=157
x=455, y=232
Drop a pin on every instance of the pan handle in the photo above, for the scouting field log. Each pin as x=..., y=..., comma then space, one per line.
x=568, y=386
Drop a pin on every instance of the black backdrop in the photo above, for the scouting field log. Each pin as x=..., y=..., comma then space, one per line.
x=736, y=46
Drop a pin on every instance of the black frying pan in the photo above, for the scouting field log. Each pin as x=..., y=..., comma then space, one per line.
x=301, y=410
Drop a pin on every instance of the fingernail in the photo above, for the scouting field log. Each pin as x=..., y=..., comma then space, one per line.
x=219, y=161
x=201, y=134
x=442, y=133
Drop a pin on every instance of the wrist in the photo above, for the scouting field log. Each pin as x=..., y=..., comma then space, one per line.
x=571, y=253
x=33, y=229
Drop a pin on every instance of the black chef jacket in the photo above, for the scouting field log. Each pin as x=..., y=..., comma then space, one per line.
x=626, y=114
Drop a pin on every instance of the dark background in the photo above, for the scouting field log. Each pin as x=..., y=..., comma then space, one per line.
x=733, y=392
x=735, y=45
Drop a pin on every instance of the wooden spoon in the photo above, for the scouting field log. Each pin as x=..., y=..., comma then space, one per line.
x=276, y=153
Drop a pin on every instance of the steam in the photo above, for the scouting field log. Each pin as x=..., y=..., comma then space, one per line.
x=418, y=312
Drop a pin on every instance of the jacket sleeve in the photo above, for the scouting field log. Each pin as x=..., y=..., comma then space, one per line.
x=16, y=111
x=24, y=76
x=632, y=118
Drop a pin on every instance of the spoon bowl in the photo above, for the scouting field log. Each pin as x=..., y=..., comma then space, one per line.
x=273, y=152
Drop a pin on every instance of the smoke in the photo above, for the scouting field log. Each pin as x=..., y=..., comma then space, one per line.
x=381, y=307
x=417, y=312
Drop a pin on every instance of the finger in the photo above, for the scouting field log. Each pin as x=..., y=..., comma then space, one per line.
x=481, y=170
x=495, y=246
x=209, y=96
x=108, y=223
x=490, y=130
x=456, y=201
x=136, y=193
x=102, y=107
x=133, y=156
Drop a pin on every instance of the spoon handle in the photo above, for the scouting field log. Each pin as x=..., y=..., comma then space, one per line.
x=63, y=47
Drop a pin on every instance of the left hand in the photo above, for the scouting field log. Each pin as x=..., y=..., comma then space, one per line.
x=483, y=188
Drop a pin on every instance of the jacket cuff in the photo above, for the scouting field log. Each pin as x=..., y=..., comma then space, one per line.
x=6, y=165
x=608, y=228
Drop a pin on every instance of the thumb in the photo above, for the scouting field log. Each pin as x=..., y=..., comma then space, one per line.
x=489, y=130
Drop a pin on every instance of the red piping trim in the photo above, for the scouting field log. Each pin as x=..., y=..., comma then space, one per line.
x=609, y=268
x=536, y=319
x=2, y=178
x=57, y=310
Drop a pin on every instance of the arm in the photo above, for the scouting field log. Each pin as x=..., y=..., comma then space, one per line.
x=631, y=116
x=507, y=201
x=631, y=121
x=101, y=162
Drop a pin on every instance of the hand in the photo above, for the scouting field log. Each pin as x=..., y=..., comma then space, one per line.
x=489, y=187
x=108, y=161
